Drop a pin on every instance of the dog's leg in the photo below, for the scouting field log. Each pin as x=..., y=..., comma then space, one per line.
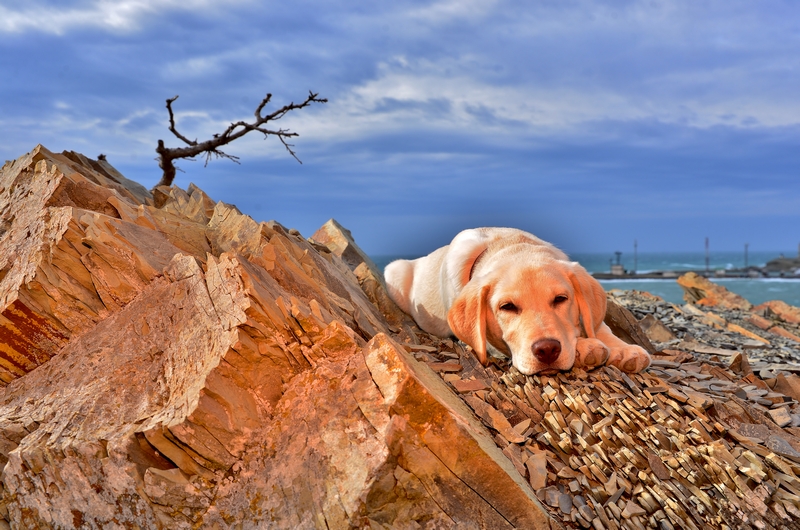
x=590, y=353
x=626, y=357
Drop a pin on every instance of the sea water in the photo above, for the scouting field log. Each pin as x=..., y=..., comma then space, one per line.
x=754, y=290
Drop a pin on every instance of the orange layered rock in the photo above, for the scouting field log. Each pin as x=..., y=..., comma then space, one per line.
x=340, y=241
x=783, y=332
x=405, y=448
x=67, y=259
x=702, y=291
x=333, y=237
x=171, y=363
x=782, y=310
x=168, y=362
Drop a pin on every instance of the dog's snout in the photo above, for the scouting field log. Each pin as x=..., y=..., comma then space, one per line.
x=546, y=350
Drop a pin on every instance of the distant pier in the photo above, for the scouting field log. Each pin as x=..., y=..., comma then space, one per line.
x=781, y=267
x=752, y=273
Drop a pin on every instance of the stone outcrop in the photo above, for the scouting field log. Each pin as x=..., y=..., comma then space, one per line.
x=336, y=239
x=168, y=362
x=781, y=310
x=783, y=265
x=702, y=291
x=625, y=326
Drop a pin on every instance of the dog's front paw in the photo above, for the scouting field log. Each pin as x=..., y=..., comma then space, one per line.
x=590, y=353
x=629, y=358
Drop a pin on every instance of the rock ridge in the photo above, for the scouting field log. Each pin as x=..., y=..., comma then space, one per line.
x=168, y=362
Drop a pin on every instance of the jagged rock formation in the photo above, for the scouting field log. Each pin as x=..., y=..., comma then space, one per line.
x=780, y=309
x=168, y=362
x=702, y=291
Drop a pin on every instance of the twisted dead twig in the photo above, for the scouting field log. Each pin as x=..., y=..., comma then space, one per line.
x=167, y=155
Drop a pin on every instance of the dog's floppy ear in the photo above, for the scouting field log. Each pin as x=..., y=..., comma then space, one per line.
x=467, y=318
x=591, y=298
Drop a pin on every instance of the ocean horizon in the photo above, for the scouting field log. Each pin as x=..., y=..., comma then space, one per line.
x=756, y=290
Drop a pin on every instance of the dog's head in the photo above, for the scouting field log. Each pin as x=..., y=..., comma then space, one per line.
x=531, y=310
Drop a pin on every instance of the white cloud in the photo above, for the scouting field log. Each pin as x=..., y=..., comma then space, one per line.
x=543, y=70
x=193, y=67
x=446, y=10
x=136, y=115
x=418, y=95
x=110, y=15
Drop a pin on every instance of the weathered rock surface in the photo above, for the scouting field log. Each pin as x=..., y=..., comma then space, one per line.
x=702, y=291
x=625, y=326
x=334, y=238
x=167, y=362
x=170, y=363
x=67, y=259
x=339, y=240
x=780, y=309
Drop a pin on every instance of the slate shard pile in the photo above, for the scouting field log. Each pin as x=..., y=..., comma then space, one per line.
x=699, y=440
x=167, y=362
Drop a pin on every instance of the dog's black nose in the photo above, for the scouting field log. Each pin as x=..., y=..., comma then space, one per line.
x=546, y=350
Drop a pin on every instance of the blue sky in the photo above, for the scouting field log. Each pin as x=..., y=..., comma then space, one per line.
x=590, y=124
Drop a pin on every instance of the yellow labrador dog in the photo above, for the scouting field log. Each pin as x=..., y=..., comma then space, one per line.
x=502, y=290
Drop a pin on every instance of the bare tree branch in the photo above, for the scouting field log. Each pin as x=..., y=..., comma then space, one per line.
x=172, y=123
x=167, y=155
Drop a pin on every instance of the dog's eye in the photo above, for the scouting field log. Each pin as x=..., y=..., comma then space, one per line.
x=560, y=299
x=508, y=306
